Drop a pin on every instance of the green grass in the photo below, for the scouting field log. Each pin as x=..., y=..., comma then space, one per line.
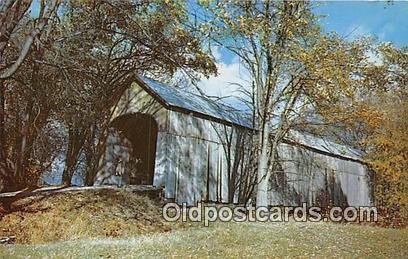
x=221, y=240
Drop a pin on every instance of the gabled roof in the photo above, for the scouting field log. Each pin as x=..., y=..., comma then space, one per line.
x=176, y=99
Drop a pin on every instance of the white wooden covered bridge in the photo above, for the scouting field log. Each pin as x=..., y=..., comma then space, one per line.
x=176, y=143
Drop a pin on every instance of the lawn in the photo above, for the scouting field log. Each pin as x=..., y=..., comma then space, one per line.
x=116, y=223
x=293, y=239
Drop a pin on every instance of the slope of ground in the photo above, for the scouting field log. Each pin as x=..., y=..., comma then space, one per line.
x=90, y=214
x=118, y=223
x=236, y=240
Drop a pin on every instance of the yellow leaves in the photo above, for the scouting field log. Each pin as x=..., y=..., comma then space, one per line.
x=371, y=116
x=389, y=155
x=305, y=57
x=301, y=22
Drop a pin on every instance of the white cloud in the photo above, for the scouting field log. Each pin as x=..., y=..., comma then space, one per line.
x=227, y=82
x=224, y=83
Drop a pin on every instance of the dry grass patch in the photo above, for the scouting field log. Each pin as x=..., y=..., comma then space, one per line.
x=69, y=216
x=234, y=240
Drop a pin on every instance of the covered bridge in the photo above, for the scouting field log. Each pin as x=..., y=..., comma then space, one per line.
x=186, y=143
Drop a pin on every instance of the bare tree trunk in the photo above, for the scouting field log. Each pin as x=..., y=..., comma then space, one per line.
x=70, y=161
x=2, y=121
x=26, y=141
x=76, y=139
x=4, y=170
x=92, y=157
x=263, y=176
x=16, y=152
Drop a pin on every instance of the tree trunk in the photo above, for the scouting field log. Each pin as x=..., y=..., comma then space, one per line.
x=91, y=157
x=2, y=122
x=263, y=176
x=3, y=165
x=76, y=139
x=22, y=157
x=70, y=161
x=8, y=71
x=17, y=148
x=68, y=172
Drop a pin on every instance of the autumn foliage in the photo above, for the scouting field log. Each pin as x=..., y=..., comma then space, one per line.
x=375, y=120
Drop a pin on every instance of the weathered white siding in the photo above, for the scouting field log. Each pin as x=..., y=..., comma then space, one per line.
x=136, y=100
x=196, y=160
x=310, y=176
x=191, y=162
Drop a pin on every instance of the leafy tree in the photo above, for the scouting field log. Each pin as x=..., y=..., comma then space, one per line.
x=104, y=44
x=84, y=64
x=294, y=68
x=18, y=32
x=376, y=121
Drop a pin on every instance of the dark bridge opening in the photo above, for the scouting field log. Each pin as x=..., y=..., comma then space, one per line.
x=141, y=130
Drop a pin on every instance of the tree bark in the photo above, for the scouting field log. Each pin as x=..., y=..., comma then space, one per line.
x=70, y=160
x=76, y=139
x=91, y=157
x=9, y=70
x=2, y=121
x=263, y=176
x=4, y=171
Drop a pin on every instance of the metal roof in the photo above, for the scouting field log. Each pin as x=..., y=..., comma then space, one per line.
x=184, y=101
x=173, y=97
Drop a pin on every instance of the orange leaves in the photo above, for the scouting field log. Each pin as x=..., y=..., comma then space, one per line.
x=373, y=106
x=389, y=143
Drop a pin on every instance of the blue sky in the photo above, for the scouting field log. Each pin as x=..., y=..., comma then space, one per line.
x=383, y=20
x=387, y=22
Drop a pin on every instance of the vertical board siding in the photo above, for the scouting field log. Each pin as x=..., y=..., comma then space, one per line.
x=313, y=177
x=213, y=172
x=191, y=162
x=196, y=153
x=199, y=167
